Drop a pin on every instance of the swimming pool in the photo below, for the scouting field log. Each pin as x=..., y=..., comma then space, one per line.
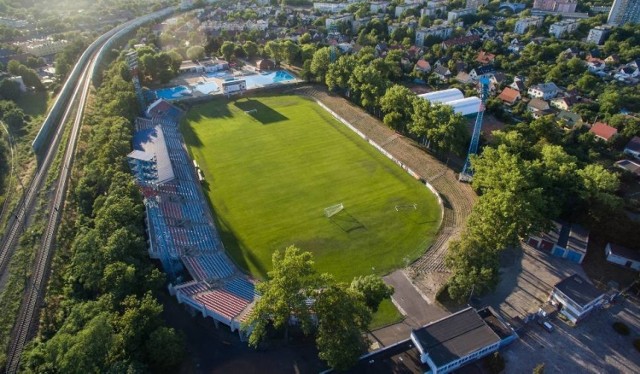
x=207, y=88
x=173, y=92
x=260, y=80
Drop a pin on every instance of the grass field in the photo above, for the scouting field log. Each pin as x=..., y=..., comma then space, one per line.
x=270, y=174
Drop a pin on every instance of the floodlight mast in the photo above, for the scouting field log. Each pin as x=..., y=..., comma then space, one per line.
x=467, y=173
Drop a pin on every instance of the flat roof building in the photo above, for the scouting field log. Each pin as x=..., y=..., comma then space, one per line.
x=576, y=297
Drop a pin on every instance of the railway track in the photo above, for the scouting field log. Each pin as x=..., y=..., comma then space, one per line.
x=36, y=286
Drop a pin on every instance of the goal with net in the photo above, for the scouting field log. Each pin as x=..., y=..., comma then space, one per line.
x=333, y=210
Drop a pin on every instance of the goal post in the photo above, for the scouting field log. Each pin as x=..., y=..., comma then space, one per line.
x=333, y=210
x=406, y=207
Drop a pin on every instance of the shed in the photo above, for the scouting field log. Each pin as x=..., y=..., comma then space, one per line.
x=564, y=240
x=623, y=256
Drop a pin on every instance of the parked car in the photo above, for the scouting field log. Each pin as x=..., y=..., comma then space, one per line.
x=547, y=326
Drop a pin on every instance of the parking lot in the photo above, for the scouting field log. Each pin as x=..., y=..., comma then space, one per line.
x=527, y=278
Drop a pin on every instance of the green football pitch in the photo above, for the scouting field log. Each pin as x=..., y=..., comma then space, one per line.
x=272, y=164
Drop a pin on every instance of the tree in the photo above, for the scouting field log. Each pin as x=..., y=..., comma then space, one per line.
x=9, y=89
x=195, y=53
x=342, y=318
x=284, y=295
x=372, y=289
x=320, y=63
x=165, y=349
x=397, y=106
x=338, y=74
x=250, y=49
x=290, y=51
x=367, y=86
x=450, y=130
x=227, y=49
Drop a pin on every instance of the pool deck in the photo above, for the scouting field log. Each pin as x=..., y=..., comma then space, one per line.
x=192, y=80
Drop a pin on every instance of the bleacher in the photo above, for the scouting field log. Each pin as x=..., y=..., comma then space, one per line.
x=208, y=267
x=223, y=303
x=181, y=229
x=242, y=288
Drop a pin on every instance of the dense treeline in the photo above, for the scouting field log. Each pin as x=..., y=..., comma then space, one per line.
x=367, y=80
x=525, y=178
x=101, y=314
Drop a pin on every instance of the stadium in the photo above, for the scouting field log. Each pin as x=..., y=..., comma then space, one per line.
x=275, y=171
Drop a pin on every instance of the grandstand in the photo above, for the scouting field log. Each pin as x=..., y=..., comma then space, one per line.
x=181, y=230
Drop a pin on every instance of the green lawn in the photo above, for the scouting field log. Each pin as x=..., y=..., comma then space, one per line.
x=270, y=174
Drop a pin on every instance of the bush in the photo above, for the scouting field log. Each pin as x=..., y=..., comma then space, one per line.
x=621, y=328
x=636, y=343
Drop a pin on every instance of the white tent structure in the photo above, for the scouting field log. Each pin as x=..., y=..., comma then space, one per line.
x=455, y=98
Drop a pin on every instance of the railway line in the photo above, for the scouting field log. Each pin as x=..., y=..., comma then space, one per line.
x=74, y=97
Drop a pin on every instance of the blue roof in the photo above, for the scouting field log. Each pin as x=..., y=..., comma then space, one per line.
x=152, y=141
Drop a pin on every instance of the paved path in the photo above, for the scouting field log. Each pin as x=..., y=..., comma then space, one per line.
x=412, y=304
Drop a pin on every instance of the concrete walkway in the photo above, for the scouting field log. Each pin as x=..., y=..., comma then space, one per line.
x=412, y=304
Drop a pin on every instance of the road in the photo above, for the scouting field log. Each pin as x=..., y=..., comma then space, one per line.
x=35, y=288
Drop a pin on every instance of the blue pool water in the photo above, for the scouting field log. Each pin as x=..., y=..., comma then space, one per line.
x=260, y=80
x=172, y=92
x=207, y=88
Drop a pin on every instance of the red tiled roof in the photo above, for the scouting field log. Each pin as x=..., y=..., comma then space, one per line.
x=509, y=95
x=485, y=57
x=603, y=131
x=423, y=64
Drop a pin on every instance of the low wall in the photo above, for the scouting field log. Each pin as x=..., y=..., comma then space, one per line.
x=389, y=155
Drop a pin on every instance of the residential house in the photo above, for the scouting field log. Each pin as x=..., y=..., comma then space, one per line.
x=482, y=71
x=633, y=147
x=569, y=119
x=509, y=96
x=562, y=103
x=628, y=165
x=571, y=52
x=423, y=66
x=523, y=24
x=603, y=131
x=485, y=58
x=538, y=107
x=461, y=41
x=543, y=91
x=515, y=46
x=627, y=73
x=564, y=240
x=497, y=80
x=442, y=72
x=562, y=28
x=612, y=59
x=576, y=297
x=623, y=256
x=464, y=78
x=595, y=66
x=518, y=84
